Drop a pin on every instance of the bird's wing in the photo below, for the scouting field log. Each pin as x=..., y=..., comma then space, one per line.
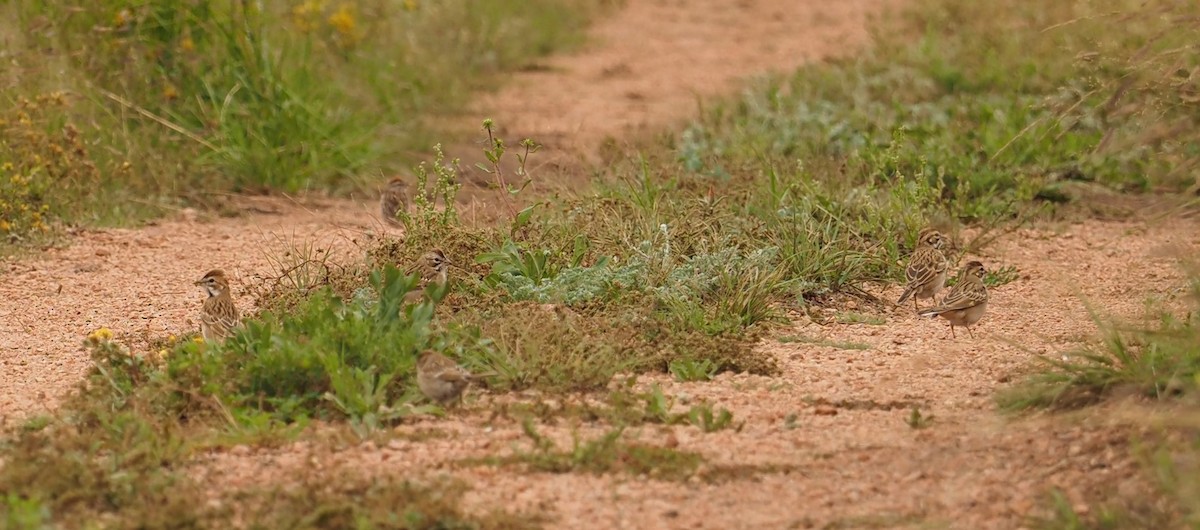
x=221, y=315
x=925, y=265
x=453, y=375
x=966, y=294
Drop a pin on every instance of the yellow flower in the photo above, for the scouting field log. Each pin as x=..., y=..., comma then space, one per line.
x=5, y=226
x=410, y=5
x=198, y=339
x=101, y=334
x=303, y=14
x=172, y=339
x=162, y=355
x=187, y=45
x=121, y=17
x=170, y=93
x=342, y=20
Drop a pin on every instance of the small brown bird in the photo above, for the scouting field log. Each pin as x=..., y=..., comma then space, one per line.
x=441, y=379
x=433, y=267
x=218, y=315
x=926, y=271
x=966, y=302
x=392, y=200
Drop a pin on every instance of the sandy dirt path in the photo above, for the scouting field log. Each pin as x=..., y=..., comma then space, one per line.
x=649, y=66
x=832, y=424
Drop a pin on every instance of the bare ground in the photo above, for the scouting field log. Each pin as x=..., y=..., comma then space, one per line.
x=832, y=424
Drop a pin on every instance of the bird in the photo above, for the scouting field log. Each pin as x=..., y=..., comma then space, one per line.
x=926, y=270
x=433, y=267
x=218, y=315
x=392, y=200
x=967, y=300
x=440, y=378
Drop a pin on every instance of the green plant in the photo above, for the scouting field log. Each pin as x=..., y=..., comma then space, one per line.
x=1002, y=276
x=827, y=343
x=512, y=265
x=608, y=453
x=104, y=462
x=1064, y=517
x=1159, y=362
x=916, y=420
x=495, y=154
x=22, y=512
x=428, y=223
x=693, y=369
x=702, y=416
x=42, y=152
x=658, y=409
x=187, y=100
x=851, y=317
x=352, y=500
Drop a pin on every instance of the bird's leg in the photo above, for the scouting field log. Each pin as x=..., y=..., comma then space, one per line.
x=952, y=331
x=915, y=307
x=971, y=333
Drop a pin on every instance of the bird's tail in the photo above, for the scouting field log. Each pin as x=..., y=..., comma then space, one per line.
x=908, y=291
x=932, y=312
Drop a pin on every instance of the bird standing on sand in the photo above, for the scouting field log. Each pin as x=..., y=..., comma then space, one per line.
x=926, y=271
x=966, y=302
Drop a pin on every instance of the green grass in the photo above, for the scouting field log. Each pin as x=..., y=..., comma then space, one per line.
x=187, y=101
x=373, y=502
x=1169, y=499
x=1156, y=361
x=1160, y=361
x=120, y=450
x=608, y=453
x=840, y=345
x=802, y=192
x=611, y=453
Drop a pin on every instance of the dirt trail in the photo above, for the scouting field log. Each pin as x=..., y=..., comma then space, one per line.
x=832, y=424
x=650, y=65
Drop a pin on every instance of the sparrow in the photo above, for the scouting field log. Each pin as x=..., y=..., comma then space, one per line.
x=392, y=200
x=966, y=302
x=440, y=378
x=218, y=315
x=926, y=271
x=433, y=267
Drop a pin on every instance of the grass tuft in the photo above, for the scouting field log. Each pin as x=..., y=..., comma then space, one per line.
x=1159, y=362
